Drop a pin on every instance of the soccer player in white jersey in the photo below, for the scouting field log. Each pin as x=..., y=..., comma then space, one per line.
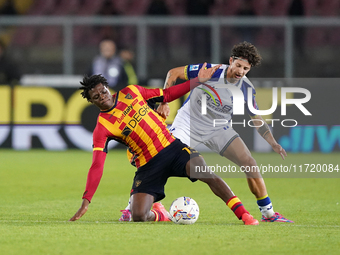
x=193, y=128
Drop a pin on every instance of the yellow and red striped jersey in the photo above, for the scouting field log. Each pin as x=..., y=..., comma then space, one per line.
x=132, y=122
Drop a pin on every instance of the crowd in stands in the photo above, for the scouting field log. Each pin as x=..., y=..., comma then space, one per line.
x=161, y=38
x=52, y=35
x=169, y=7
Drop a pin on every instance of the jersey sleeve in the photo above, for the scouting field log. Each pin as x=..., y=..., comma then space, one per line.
x=169, y=94
x=180, y=90
x=100, y=139
x=191, y=71
x=151, y=95
x=95, y=174
x=100, y=142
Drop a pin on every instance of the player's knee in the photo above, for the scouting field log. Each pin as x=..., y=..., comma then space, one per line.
x=196, y=164
x=138, y=216
x=248, y=161
x=209, y=178
x=250, y=168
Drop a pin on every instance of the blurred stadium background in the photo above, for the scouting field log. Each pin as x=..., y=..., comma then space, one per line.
x=54, y=41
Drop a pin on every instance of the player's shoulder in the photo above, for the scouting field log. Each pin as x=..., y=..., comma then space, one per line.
x=247, y=83
x=191, y=70
x=133, y=88
x=220, y=72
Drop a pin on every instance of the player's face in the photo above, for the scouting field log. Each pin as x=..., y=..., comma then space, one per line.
x=237, y=69
x=101, y=97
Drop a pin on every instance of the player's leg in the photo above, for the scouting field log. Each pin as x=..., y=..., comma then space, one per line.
x=239, y=153
x=126, y=213
x=179, y=129
x=140, y=207
x=148, y=185
x=216, y=183
x=220, y=188
x=228, y=144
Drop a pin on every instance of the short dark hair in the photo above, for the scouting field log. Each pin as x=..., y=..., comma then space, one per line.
x=89, y=83
x=247, y=51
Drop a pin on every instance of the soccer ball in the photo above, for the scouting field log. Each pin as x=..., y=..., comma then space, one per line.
x=184, y=210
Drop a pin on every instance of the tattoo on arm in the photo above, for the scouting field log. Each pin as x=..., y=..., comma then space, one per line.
x=264, y=130
x=168, y=85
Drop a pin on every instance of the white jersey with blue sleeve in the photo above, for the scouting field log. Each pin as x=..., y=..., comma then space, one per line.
x=191, y=125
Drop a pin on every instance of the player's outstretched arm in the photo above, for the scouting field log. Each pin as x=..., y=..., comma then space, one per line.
x=93, y=179
x=265, y=132
x=82, y=210
x=175, y=92
x=170, y=80
x=178, y=73
x=173, y=75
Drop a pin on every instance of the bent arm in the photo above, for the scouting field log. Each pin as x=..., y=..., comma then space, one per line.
x=173, y=75
x=172, y=93
x=170, y=80
x=180, y=90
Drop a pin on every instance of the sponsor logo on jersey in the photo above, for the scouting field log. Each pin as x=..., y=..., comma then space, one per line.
x=212, y=89
x=193, y=67
x=134, y=120
x=127, y=110
x=128, y=96
x=126, y=131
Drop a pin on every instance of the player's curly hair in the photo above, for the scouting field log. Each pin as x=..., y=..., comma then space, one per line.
x=89, y=83
x=247, y=51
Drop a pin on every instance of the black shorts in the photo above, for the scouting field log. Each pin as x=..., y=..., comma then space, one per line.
x=171, y=161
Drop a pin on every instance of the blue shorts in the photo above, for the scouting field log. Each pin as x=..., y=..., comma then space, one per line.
x=171, y=161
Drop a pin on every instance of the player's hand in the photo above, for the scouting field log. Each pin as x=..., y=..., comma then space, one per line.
x=163, y=110
x=205, y=74
x=278, y=149
x=82, y=210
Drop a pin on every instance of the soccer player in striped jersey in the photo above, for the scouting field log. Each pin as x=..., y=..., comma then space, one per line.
x=193, y=128
x=127, y=118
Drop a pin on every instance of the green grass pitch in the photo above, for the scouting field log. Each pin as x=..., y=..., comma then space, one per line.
x=41, y=190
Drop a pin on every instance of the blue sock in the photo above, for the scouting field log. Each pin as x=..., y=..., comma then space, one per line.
x=265, y=206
